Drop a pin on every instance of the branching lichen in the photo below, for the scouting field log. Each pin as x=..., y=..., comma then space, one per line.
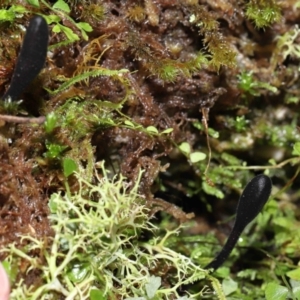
x=96, y=246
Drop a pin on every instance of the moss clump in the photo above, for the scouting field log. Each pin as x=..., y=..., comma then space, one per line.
x=263, y=12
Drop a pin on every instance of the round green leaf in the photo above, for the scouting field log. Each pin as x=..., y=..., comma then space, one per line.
x=185, y=148
x=61, y=5
x=274, y=291
x=152, y=129
x=197, y=156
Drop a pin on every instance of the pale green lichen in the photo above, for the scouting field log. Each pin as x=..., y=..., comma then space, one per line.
x=96, y=247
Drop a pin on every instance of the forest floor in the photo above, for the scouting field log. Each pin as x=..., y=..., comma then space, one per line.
x=158, y=113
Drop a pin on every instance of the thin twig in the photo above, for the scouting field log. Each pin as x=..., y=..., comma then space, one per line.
x=22, y=120
x=205, y=112
x=293, y=160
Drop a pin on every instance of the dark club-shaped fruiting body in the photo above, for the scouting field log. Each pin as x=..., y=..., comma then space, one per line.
x=31, y=58
x=251, y=202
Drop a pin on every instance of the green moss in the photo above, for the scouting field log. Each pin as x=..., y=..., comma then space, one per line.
x=216, y=44
x=263, y=13
x=251, y=87
x=222, y=54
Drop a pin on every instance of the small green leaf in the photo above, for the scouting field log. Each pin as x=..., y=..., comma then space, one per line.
x=61, y=5
x=152, y=286
x=52, y=19
x=11, y=270
x=56, y=29
x=230, y=159
x=247, y=273
x=274, y=291
x=197, y=156
x=84, y=35
x=18, y=9
x=212, y=190
x=34, y=3
x=53, y=204
x=229, y=286
x=168, y=130
x=272, y=162
x=69, y=166
x=283, y=222
x=296, y=288
x=96, y=295
x=51, y=122
x=69, y=33
x=296, y=149
x=290, y=99
x=129, y=123
x=294, y=274
x=6, y=15
x=9, y=15
x=268, y=87
x=214, y=134
x=78, y=272
x=152, y=129
x=84, y=26
x=185, y=148
x=223, y=272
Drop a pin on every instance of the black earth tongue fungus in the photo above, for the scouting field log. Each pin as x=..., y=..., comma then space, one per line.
x=31, y=59
x=251, y=202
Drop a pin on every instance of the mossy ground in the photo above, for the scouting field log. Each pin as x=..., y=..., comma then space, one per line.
x=201, y=95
